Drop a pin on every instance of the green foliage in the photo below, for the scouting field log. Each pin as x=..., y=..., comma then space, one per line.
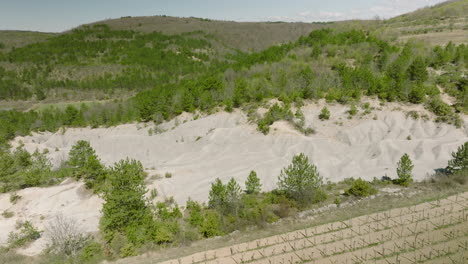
x=438, y=107
x=92, y=252
x=86, y=164
x=417, y=70
x=26, y=234
x=211, y=225
x=324, y=113
x=353, y=110
x=459, y=161
x=217, y=196
x=301, y=181
x=404, y=171
x=252, y=184
x=361, y=188
x=20, y=169
x=125, y=209
x=275, y=113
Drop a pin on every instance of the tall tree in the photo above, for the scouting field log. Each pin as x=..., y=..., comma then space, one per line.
x=252, y=184
x=301, y=180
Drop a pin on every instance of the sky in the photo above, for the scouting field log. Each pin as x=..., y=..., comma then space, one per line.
x=61, y=15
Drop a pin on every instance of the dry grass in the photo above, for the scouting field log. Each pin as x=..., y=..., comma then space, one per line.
x=12, y=38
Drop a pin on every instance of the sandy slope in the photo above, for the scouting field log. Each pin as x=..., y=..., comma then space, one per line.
x=42, y=205
x=226, y=145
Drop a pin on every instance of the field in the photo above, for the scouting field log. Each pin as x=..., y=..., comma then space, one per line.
x=431, y=232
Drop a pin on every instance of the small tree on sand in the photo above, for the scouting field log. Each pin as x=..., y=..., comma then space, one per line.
x=301, y=180
x=252, y=184
x=404, y=171
x=460, y=159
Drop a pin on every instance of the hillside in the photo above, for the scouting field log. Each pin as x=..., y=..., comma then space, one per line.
x=141, y=134
x=246, y=36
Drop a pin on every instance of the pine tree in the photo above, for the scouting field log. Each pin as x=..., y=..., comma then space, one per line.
x=301, y=180
x=417, y=70
x=404, y=171
x=233, y=196
x=125, y=209
x=460, y=159
x=252, y=184
x=217, y=196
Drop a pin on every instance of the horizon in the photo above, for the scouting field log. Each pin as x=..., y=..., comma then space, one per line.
x=58, y=16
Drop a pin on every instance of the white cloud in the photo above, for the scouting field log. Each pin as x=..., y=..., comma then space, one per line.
x=385, y=9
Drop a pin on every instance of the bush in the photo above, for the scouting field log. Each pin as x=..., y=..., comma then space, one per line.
x=361, y=188
x=301, y=181
x=404, y=171
x=324, y=114
x=211, y=225
x=65, y=237
x=275, y=113
x=438, y=107
x=27, y=233
x=460, y=159
x=353, y=110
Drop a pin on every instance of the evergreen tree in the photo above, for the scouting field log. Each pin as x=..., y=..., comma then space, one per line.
x=417, y=70
x=252, y=184
x=460, y=159
x=404, y=171
x=125, y=209
x=233, y=196
x=217, y=196
x=301, y=180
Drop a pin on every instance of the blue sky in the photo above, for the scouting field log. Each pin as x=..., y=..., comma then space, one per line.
x=60, y=15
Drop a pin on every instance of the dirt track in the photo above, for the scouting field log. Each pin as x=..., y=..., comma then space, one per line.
x=433, y=232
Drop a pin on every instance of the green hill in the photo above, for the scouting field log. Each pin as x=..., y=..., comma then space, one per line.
x=153, y=68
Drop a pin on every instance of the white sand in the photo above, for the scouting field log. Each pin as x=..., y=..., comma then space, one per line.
x=42, y=205
x=230, y=147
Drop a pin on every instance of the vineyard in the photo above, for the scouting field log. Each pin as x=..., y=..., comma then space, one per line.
x=432, y=232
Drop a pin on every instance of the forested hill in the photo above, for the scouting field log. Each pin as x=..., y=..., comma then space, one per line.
x=245, y=36
x=132, y=74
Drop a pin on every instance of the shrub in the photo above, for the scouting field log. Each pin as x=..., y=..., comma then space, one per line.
x=361, y=188
x=438, y=107
x=168, y=175
x=91, y=252
x=7, y=214
x=404, y=171
x=353, y=110
x=252, y=184
x=460, y=159
x=27, y=233
x=275, y=113
x=324, y=114
x=301, y=180
x=211, y=225
x=65, y=237
x=14, y=197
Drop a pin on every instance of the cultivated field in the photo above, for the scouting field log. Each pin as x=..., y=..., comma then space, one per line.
x=432, y=232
